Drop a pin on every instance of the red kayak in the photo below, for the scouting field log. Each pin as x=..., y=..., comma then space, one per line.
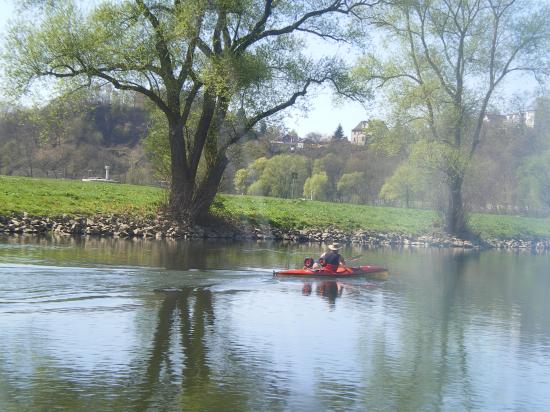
x=377, y=272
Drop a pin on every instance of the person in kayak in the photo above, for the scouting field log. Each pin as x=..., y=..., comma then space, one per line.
x=332, y=259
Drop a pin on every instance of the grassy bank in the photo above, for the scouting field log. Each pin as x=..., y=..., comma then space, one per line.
x=54, y=197
x=48, y=197
x=303, y=214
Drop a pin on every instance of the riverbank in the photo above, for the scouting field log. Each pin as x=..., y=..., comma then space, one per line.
x=39, y=206
x=159, y=227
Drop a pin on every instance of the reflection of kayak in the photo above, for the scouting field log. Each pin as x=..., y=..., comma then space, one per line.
x=377, y=272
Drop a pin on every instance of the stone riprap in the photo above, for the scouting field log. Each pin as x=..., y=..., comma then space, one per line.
x=159, y=227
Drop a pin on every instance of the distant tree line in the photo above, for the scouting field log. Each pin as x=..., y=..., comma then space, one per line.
x=76, y=136
x=510, y=172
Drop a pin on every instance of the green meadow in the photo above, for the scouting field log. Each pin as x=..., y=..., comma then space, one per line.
x=50, y=197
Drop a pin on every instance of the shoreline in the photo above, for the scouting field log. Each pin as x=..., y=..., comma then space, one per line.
x=160, y=227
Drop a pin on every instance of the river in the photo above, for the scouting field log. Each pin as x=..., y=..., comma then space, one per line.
x=116, y=325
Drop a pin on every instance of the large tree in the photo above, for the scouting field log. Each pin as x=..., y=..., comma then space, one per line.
x=448, y=59
x=213, y=68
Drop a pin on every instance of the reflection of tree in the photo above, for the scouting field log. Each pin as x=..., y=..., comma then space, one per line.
x=180, y=254
x=193, y=334
x=182, y=321
x=431, y=350
x=178, y=368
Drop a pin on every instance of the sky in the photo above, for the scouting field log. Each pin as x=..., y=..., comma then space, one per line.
x=323, y=114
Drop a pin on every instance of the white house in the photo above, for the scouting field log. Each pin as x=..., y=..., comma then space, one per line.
x=359, y=134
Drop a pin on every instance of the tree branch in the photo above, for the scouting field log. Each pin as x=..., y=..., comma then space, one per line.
x=160, y=45
x=258, y=33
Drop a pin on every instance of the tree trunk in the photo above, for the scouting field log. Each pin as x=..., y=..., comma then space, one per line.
x=455, y=223
x=207, y=190
x=182, y=185
x=190, y=201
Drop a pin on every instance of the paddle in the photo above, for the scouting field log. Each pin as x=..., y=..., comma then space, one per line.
x=351, y=259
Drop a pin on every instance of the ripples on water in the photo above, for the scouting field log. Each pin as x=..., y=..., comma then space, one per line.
x=124, y=325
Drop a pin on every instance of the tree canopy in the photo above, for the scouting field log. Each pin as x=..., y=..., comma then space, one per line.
x=213, y=68
x=447, y=60
x=338, y=133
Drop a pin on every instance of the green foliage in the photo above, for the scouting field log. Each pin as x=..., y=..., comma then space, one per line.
x=258, y=188
x=241, y=180
x=338, y=133
x=440, y=157
x=316, y=187
x=257, y=167
x=407, y=183
x=48, y=197
x=352, y=187
x=534, y=181
x=285, y=175
x=157, y=146
x=389, y=141
x=281, y=176
x=333, y=165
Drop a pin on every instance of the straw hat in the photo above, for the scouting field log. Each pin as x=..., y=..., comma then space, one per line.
x=334, y=246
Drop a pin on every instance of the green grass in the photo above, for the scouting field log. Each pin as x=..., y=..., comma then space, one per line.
x=49, y=197
x=506, y=227
x=303, y=214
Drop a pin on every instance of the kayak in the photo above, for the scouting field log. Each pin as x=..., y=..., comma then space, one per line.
x=377, y=272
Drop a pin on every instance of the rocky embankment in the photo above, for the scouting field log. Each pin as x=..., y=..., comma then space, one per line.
x=161, y=227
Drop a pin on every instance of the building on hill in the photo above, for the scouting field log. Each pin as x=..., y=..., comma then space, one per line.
x=524, y=118
x=529, y=118
x=366, y=130
x=360, y=134
x=289, y=141
x=292, y=142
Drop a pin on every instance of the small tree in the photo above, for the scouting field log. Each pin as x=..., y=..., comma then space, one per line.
x=408, y=183
x=339, y=134
x=316, y=187
x=333, y=165
x=534, y=181
x=352, y=187
x=241, y=180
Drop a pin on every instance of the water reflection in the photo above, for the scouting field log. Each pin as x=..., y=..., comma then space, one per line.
x=167, y=253
x=178, y=353
x=123, y=325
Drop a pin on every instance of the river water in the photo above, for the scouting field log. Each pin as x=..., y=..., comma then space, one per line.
x=116, y=325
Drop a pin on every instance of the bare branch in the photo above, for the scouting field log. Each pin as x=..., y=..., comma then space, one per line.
x=258, y=33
